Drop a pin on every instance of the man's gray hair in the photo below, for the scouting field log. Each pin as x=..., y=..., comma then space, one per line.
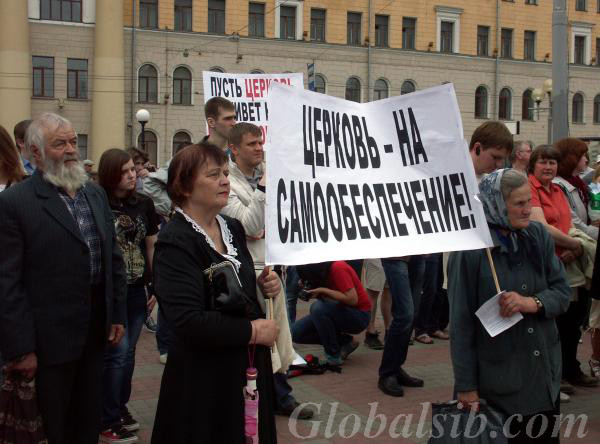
x=517, y=146
x=511, y=180
x=36, y=133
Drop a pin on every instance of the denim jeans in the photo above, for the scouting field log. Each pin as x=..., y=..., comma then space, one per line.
x=283, y=391
x=429, y=316
x=328, y=324
x=405, y=280
x=291, y=293
x=119, y=361
x=164, y=334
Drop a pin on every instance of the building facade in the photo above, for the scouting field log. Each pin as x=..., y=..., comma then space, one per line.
x=98, y=62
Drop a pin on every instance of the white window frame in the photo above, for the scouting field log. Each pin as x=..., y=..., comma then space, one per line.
x=299, y=5
x=584, y=30
x=449, y=14
x=88, y=11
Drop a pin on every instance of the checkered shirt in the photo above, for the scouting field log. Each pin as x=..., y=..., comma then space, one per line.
x=82, y=213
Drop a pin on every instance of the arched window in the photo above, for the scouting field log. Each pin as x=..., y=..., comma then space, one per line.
x=597, y=109
x=147, y=84
x=481, y=102
x=216, y=69
x=353, y=89
x=181, y=140
x=150, y=145
x=381, y=90
x=182, y=86
x=527, y=105
x=319, y=84
x=256, y=71
x=408, y=87
x=577, y=111
x=505, y=104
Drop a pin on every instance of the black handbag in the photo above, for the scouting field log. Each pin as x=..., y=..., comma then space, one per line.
x=451, y=425
x=225, y=292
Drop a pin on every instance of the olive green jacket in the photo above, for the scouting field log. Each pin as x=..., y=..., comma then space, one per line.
x=519, y=370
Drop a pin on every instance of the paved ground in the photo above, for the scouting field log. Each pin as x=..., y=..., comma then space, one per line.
x=355, y=392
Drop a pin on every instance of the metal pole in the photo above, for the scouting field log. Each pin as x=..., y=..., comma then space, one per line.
x=143, y=135
x=560, y=72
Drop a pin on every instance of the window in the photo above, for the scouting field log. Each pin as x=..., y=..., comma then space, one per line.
x=61, y=10
x=483, y=39
x=183, y=15
x=597, y=109
x=409, y=25
x=43, y=76
x=82, y=146
x=407, y=87
x=446, y=36
x=505, y=104
x=182, y=86
x=216, y=16
x=181, y=139
x=150, y=145
x=287, y=22
x=317, y=25
x=598, y=6
x=381, y=90
x=353, y=89
x=481, y=102
x=529, y=45
x=506, y=43
x=579, y=53
x=527, y=106
x=382, y=30
x=319, y=84
x=577, y=111
x=77, y=79
x=257, y=71
x=256, y=20
x=580, y=5
x=149, y=14
x=216, y=69
x=148, y=84
x=531, y=2
x=354, y=22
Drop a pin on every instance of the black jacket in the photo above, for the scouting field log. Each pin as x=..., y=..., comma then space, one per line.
x=45, y=276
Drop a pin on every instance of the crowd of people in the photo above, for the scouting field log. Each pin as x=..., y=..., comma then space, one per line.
x=90, y=254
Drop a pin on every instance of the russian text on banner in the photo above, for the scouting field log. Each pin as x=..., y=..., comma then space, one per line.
x=350, y=180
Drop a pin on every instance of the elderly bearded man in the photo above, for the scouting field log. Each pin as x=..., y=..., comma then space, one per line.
x=62, y=283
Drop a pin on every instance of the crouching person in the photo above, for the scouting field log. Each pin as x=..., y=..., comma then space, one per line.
x=341, y=309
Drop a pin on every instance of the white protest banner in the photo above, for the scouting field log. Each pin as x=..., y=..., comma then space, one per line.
x=350, y=180
x=248, y=92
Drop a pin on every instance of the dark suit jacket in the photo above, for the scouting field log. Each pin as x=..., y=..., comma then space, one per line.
x=45, y=299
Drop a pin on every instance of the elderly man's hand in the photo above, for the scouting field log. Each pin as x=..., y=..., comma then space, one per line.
x=269, y=283
x=468, y=400
x=26, y=366
x=116, y=333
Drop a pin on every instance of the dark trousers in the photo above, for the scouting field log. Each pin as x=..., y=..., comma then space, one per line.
x=283, y=391
x=433, y=309
x=569, y=324
x=291, y=292
x=70, y=394
x=405, y=280
x=119, y=360
x=164, y=335
x=518, y=429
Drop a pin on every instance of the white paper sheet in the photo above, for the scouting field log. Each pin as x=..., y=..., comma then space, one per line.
x=493, y=322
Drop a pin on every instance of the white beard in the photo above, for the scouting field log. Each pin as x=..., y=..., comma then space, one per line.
x=69, y=179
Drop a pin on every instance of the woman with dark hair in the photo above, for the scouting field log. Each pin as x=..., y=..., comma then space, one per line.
x=342, y=308
x=550, y=207
x=136, y=226
x=11, y=168
x=572, y=163
x=206, y=286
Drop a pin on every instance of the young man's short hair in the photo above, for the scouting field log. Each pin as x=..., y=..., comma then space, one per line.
x=240, y=129
x=492, y=134
x=20, y=129
x=138, y=154
x=213, y=107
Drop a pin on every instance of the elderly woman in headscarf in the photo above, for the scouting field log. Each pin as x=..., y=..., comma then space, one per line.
x=517, y=371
